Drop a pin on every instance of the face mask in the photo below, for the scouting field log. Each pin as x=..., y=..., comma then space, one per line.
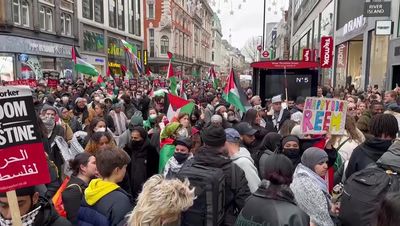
x=231, y=118
x=225, y=115
x=153, y=116
x=137, y=143
x=292, y=153
x=49, y=123
x=27, y=219
x=193, y=120
x=181, y=157
x=64, y=99
x=138, y=97
x=101, y=129
x=97, y=99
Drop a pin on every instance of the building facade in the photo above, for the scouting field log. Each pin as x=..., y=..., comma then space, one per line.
x=36, y=38
x=216, y=44
x=282, y=42
x=102, y=25
x=311, y=20
x=181, y=27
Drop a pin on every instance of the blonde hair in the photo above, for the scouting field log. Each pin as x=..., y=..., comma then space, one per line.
x=161, y=199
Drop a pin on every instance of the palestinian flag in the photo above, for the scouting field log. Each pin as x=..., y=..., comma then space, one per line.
x=171, y=77
x=100, y=81
x=149, y=72
x=131, y=51
x=231, y=93
x=196, y=73
x=82, y=66
x=178, y=105
x=213, y=77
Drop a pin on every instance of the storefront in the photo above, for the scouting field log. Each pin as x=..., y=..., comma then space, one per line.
x=24, y=58
x=361, y=55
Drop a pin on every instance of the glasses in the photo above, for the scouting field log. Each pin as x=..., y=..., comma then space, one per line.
x=352, y=109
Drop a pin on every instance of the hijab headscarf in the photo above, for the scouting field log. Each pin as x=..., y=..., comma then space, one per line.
x=271, y=142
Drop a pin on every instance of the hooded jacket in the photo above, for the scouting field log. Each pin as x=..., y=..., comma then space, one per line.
x=272, y=208
x=363, y=121
x=366, y=153
x=390, y=160
x=109, y=200
x=245, y=162
x=234, y=199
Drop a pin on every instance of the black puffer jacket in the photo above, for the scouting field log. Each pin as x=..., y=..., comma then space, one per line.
x=366, y=153
x=234, y=199
x=275, y=206
x=48, y=216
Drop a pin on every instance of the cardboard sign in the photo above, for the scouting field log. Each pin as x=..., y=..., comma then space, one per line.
x=22, y=156
x=52, y=83
x=24, y=82
x=326, y=52
x=322, y=115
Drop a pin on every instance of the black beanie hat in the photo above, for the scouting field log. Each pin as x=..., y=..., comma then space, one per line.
x=214, y=136
x=290, y=138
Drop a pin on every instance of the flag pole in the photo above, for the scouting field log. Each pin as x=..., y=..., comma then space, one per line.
x=286, y=85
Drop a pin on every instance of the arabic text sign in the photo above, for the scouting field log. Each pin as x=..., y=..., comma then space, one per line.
x=22, y=157
x=323, y=115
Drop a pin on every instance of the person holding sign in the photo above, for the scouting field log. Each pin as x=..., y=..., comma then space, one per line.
x=35, y=210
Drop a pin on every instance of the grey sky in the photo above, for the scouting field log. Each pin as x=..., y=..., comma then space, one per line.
x=247, y=21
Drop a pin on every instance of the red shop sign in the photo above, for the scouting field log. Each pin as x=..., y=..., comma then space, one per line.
x=326, y=52
x=307, y=54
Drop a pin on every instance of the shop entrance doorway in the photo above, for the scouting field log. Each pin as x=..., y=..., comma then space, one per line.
x=396, y=76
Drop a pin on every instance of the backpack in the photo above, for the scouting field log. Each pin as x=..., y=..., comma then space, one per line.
x=88, y=216
x=362, y=194
x=210, y=186
x=57, y=198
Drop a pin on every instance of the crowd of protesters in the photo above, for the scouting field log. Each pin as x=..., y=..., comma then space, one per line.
x=135, y=161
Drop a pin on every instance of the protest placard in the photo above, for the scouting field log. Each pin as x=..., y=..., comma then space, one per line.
x=52, y=83
x=22, y=156
x=322, y=115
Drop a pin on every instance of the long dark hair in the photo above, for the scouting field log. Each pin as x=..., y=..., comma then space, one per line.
x=80, y=159
x=93, y=125
x=389, y=210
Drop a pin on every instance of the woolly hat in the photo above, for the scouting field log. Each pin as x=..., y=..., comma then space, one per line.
x=49, y=107
x=290, y=138
x=313, y=156
x=214, y=136
x=22, y=192
x=137, y=120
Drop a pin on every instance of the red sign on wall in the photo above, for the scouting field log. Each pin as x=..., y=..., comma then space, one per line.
x=22, y=156
x=326, y=54
x=307, y=55
x=25, y=82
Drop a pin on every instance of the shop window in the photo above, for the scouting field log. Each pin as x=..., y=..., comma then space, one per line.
x=6, y=67
x=164, y=44
x=87, y=9
x=93, y=42
x=378, y=60
x=98, y=11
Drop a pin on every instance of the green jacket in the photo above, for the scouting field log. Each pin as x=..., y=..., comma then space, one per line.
x=363, y=121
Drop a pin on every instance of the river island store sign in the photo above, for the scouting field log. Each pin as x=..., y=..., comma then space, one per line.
x=377, y=9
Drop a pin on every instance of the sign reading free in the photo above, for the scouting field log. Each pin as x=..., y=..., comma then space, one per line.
x=322, y=115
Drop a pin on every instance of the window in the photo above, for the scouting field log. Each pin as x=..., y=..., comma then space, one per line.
x=151, y=10
x=137, y=27
x=98, y=11
x=49, y=20
x=25, y=13
x=212, y=56
x=87, y=9
x=93, y=42
x=164, y=44
x=121, y=15
x=42, y=18
x=112, y=14
x=66, y=24
x=151, y=33
x=151, y=39
x=131, y=16
x=20, y=10
x=16, y=12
